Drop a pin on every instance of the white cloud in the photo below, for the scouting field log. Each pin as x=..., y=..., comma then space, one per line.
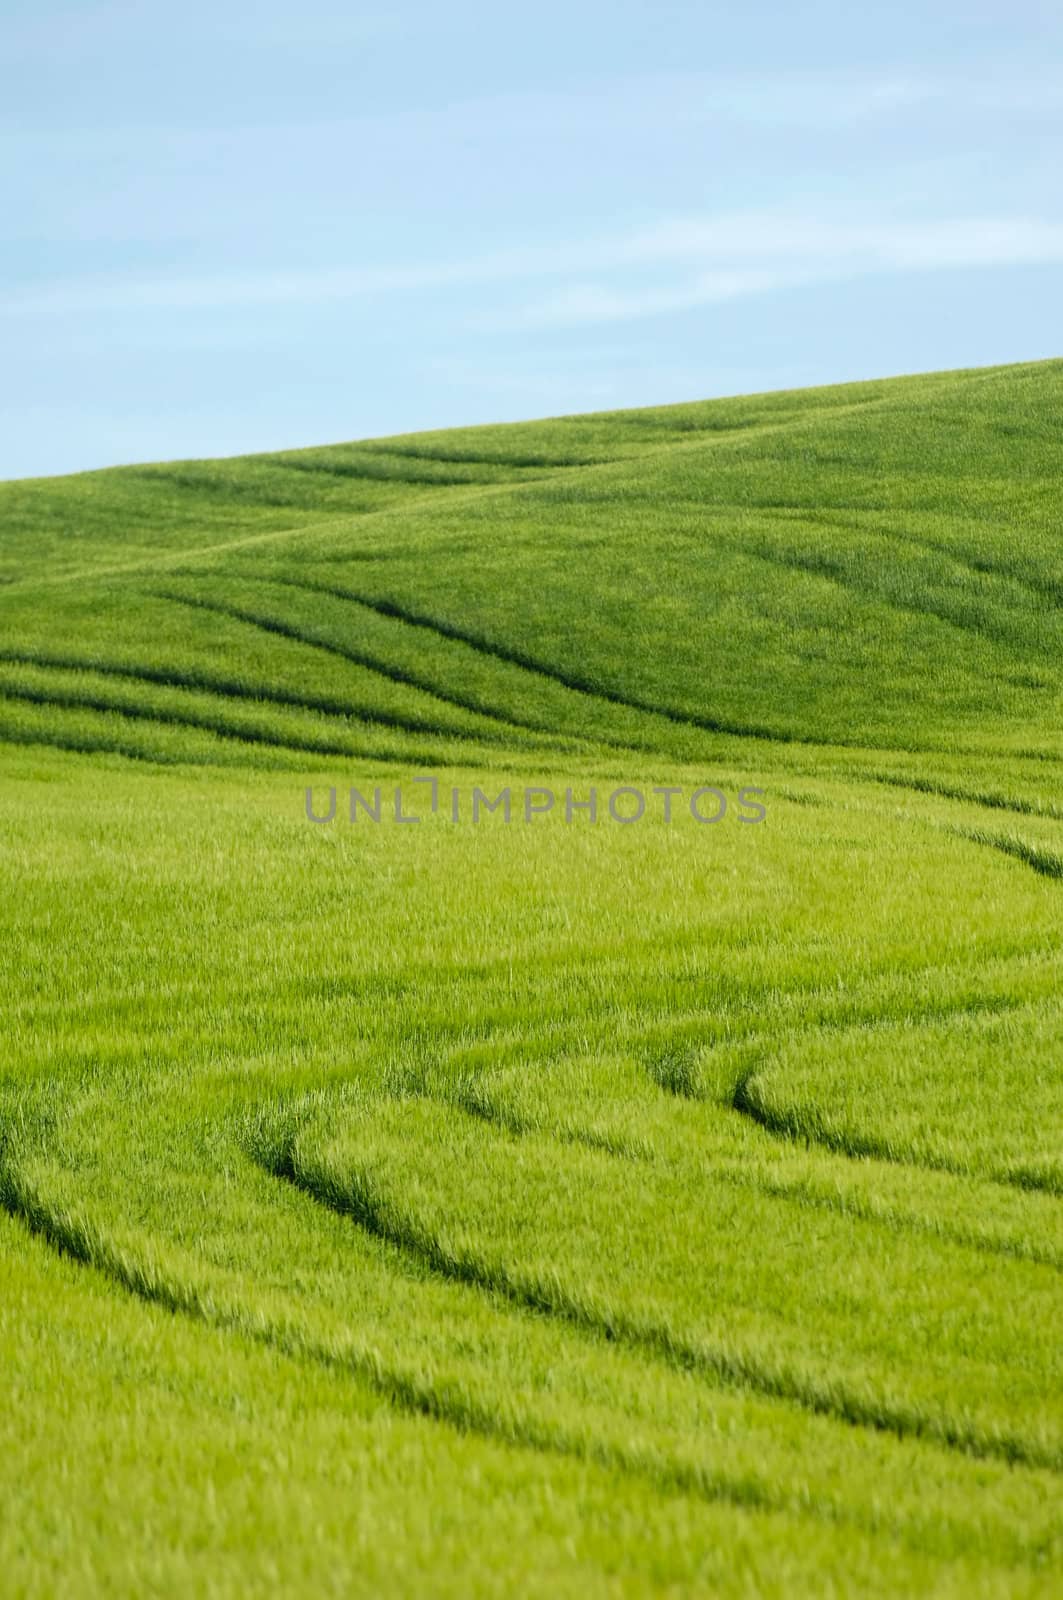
x=673, y=266
x=741, y=256
x=582, y=303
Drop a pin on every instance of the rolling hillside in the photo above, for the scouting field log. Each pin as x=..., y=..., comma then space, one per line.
x=558, y=1207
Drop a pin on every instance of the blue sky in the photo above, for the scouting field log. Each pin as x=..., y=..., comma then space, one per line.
x=233, y=226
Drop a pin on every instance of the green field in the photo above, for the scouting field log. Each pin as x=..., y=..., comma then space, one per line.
x=555, y=1207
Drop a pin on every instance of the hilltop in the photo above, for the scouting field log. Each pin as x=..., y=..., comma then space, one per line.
x=872, y=566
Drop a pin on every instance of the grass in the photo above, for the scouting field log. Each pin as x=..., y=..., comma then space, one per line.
x=559, y=1208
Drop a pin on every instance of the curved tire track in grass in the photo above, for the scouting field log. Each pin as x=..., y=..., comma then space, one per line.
x=985, y=799
x=807, y=1125
x=669, y=1465
x=504, y=729
x=490, y=1102
x=227, y=688
x=109, y=730
x=566, y=680
x=178, y=716
x=354, y=1192
x=1047, y=863
x=590, y=690
x=807, y=1120
x=849, y=581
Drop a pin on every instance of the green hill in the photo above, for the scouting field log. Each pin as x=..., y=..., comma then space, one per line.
x=877, y=566
x=553, y=1206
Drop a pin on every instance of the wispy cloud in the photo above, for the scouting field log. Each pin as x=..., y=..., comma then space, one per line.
x=739, y=256
x=597, y=302
x=675, y=265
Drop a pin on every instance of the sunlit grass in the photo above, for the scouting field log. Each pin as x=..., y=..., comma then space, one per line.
x=546, y=1207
